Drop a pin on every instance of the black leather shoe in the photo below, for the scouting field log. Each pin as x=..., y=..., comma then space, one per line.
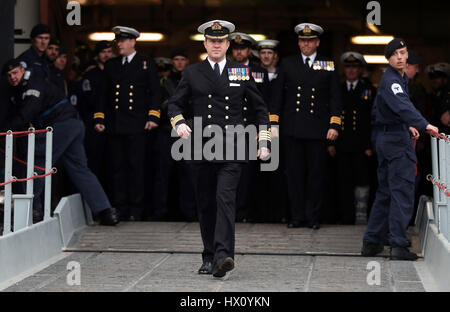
x=108, y=217
x=295, y=224
x=402, y=253
x=224, y=267
x=206, y=268
x=314, y=226
x=370, y=249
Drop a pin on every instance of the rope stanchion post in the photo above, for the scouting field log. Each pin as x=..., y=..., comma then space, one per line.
x=446, y=192
x=30, y=171
x=443, y=200
x=8, y=187
x=435, y=173
x=48, y=167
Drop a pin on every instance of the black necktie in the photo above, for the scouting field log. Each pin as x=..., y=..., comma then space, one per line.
x=352, y=87
x=307, y=62
x=217, y=69
x=126, y=62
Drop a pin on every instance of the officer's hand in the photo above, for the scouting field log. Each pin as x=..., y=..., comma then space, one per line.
x=368, y=152
x=332, y=150
x=184, y=131
x=431, y=128
x=263, y=153
x=332, y=134
x=415, y=134
x=274, y=131
x=99, y=127
x=149, y=125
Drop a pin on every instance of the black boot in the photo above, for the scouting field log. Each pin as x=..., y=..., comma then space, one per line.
x=370, y=249
x=402, y=253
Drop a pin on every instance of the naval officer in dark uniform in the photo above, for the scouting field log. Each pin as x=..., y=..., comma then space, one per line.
x=353, y=148
x=217, y=89
x=129, y=107
x=306, y=100
x=396, y=124
x=249, y=206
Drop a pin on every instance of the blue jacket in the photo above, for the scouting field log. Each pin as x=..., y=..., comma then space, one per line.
x=392, y=104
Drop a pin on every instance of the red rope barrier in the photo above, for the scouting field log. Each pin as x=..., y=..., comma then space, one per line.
x=21, y=161
x=29, y=178
x=438, y=184
x=24, y=132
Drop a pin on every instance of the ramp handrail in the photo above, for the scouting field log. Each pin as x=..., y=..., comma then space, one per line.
x=23, y=204
x=440, y=156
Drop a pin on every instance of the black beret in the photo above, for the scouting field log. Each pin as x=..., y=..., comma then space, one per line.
x=39, y=29
x=178, y=52
x=413, y=58
x=395, y=44
x=10, y=65
x=101, y=45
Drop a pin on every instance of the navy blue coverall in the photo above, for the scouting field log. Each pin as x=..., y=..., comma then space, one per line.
x=394, y=113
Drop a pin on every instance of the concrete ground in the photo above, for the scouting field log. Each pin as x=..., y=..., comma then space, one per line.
x=162, y=256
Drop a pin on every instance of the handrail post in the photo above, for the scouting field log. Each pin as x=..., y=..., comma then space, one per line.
x=435, y=173
x=48, y=167
x=30, y=172
x=8, y=187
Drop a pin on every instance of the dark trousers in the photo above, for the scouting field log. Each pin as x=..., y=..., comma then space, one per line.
x=68, y=147
x=95, y=145
x=215, y=190
x=353, y=170
x=166, y=170
x=305, y=172
x=394, y=202
x=127, y=155
x=246, y=192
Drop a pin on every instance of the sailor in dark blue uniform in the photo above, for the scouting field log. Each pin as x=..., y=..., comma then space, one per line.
x=41, y=104
x=92, y=86
x=34, y=59
x=395, y=118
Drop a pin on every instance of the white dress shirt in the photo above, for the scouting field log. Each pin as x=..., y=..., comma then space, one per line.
x=312, y=58
x=129, y=57
x=221, y=64
x=355, y=83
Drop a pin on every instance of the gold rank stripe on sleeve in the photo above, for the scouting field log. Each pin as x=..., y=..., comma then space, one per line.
x=176, y=119
x=99, y=115
x=274, y=118
x=264, y=135
x=156, y=113
x=335, y=120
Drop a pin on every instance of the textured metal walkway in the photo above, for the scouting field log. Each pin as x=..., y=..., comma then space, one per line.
x=152, y=256
x=250, y=239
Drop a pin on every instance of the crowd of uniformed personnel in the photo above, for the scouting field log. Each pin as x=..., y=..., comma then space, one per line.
x=327, y=171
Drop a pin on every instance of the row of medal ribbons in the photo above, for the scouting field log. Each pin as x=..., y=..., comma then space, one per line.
x=323, y=65
x=238, y=74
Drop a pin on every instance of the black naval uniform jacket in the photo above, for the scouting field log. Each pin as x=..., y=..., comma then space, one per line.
x=356, y=117
x=306, y=101
x=261, y=78
x=218, y=100
x=132, y=96
x=38, y=101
